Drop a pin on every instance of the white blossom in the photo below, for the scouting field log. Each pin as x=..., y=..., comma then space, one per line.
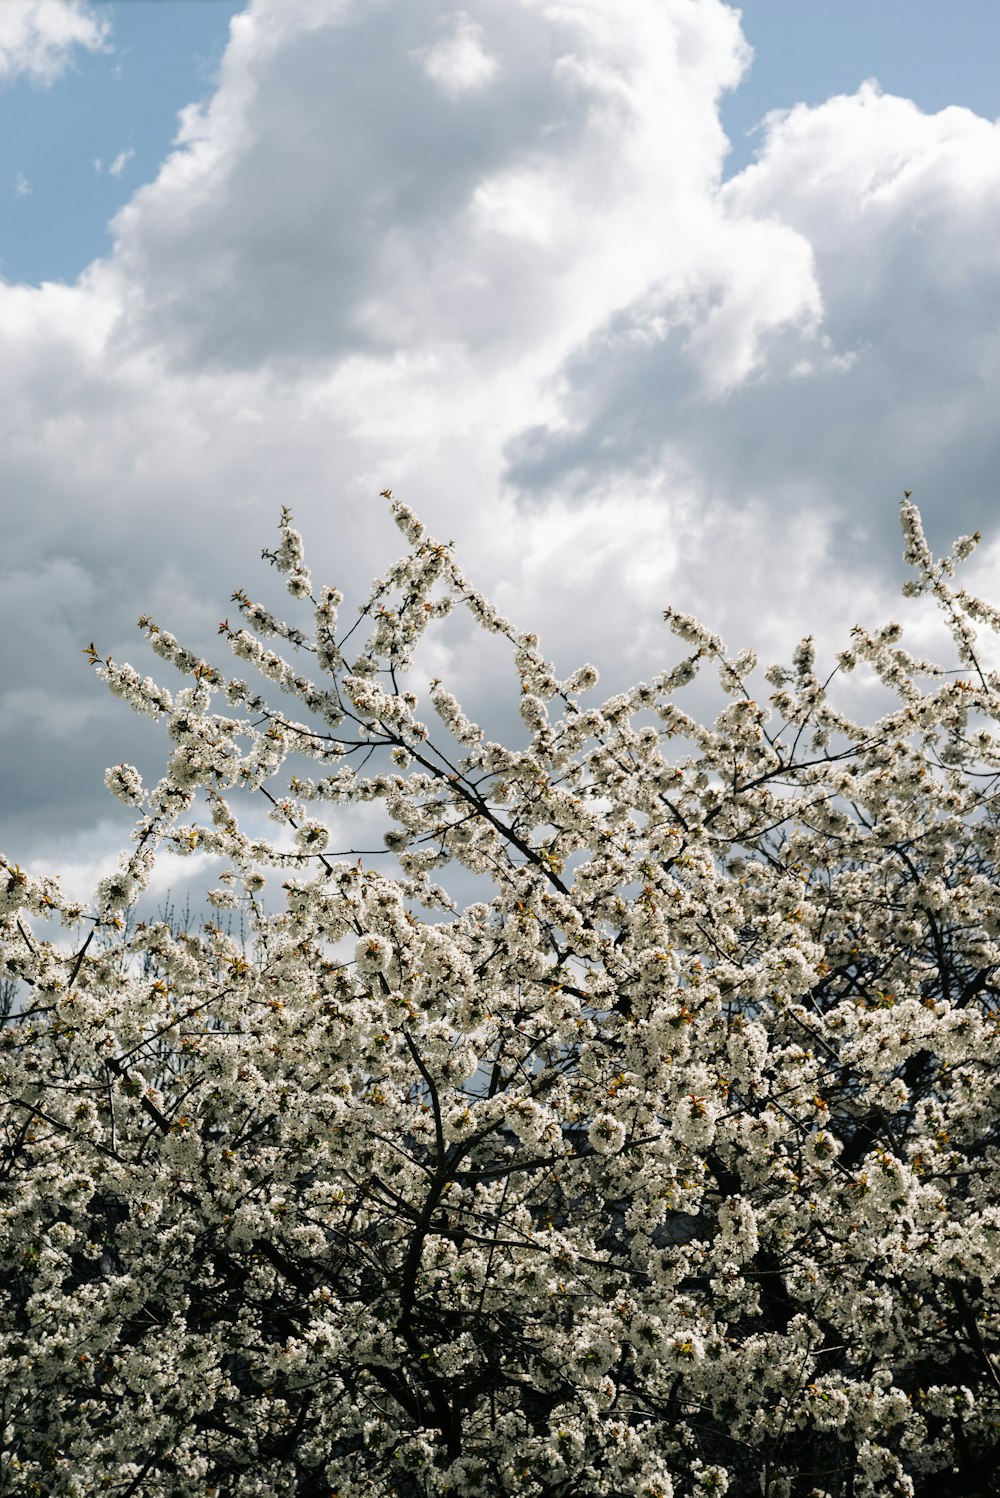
x=124, y=782
x=652, y=1151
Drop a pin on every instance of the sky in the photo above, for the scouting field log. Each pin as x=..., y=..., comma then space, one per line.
x=641, y=302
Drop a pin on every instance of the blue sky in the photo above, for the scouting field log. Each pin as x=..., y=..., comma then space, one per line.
x=807, y=50
x=521, y=263
x=122, y=102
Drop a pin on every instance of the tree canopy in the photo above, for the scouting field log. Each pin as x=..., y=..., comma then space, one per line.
x=665, y=1164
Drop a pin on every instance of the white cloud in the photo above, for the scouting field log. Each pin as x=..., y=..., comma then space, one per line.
x=530, y=306
x=550, y=200
x=849, y=314
x=22, y=187
x=461, y=61
x=38, y=37
x=120, y=162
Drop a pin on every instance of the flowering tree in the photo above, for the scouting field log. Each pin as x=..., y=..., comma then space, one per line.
x=670, y=1166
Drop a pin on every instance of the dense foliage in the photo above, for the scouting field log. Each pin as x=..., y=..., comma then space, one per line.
x=668, y=1166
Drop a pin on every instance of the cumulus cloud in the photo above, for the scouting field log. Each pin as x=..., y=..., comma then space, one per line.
x=887, y=377
x=485, y=255
x=391, y=212
x=38, y=37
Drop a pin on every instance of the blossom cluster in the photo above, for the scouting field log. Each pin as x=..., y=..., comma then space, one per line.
x=668, y=1165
